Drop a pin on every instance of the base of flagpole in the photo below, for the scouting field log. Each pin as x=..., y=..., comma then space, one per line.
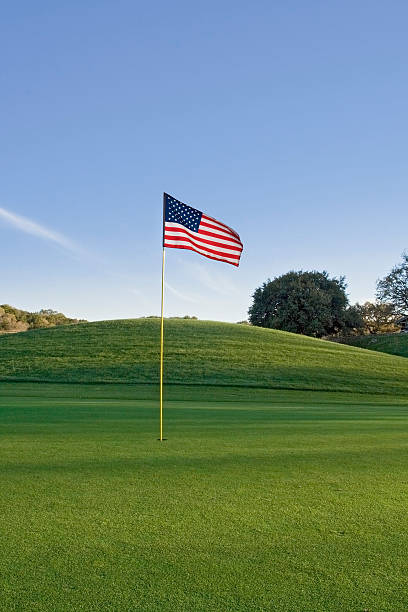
x=162, y=439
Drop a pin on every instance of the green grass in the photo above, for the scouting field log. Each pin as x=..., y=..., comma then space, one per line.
x=393, y=344
x=281, y=488
x=197, y=353
x=292, y=501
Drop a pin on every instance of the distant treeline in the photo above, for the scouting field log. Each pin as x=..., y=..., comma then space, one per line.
x=15, y=320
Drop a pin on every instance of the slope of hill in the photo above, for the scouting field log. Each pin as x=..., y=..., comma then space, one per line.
x=196, y=353
x=393, y=344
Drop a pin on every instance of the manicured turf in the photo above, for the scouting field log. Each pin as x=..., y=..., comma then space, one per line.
x=288, y=502
x=393, y=344
x=197, y=352
x=267, y=496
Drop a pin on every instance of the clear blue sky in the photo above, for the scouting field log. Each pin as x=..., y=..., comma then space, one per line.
x=286, y=120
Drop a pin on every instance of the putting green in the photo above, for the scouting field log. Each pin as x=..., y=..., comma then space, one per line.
x=285, y=502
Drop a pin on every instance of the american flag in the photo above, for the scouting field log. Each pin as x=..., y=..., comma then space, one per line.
x=185, y=227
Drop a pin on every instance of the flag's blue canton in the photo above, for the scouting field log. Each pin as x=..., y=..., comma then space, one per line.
x=177, y=212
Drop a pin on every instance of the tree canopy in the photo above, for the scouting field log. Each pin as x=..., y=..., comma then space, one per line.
x=393, y=288
x=13, y=319
x=309, y=303
x=378, y=317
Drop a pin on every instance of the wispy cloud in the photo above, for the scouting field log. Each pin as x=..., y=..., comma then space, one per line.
x=215, y=281
x=177, y=293
x=35, y=229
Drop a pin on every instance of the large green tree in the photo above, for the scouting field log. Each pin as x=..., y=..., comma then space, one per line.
x=393, y=288
x=307, y=303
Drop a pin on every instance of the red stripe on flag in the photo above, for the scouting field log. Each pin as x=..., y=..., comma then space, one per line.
x=202, y=248
x=201, y=237
x=233, y=232
x=220, y=234
x=189, y=248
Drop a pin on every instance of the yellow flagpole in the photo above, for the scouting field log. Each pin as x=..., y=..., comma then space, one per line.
x=161, y=350
x=162, y=326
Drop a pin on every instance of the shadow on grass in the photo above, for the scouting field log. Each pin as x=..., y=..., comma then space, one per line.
x=280, y=459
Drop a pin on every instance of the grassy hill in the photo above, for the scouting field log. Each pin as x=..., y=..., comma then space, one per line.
x=393, y=344
x=197, y=353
